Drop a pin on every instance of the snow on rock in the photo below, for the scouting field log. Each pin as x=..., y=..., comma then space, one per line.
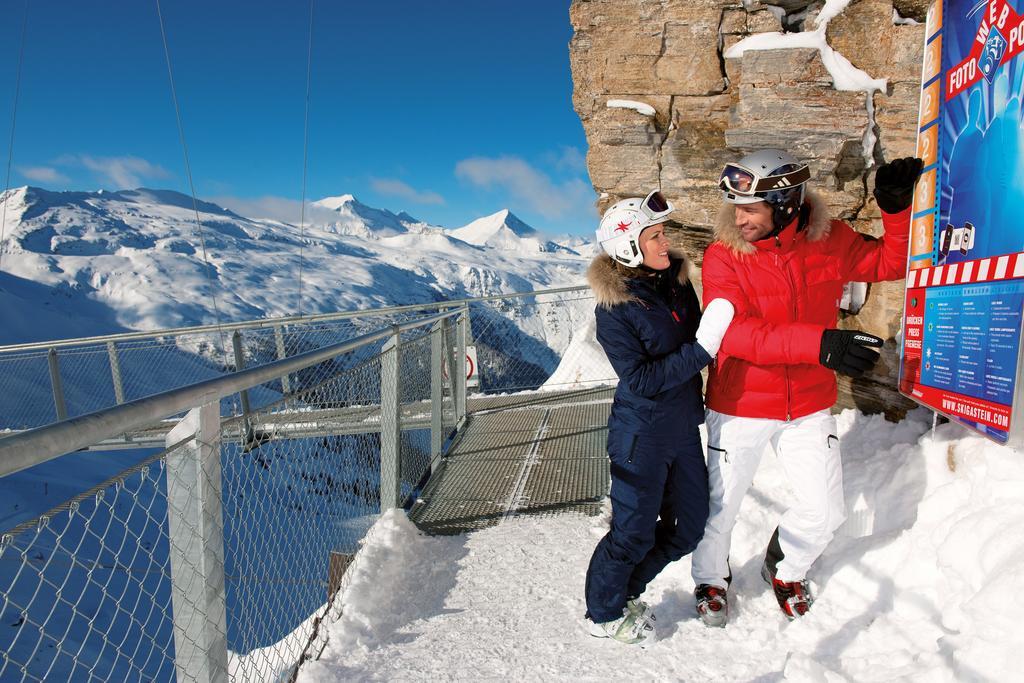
x=640, y=107
x=830, y=11
x=930, y=591
x=845, y=76
x=903, y=21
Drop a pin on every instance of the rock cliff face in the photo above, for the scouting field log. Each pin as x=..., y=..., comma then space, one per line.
x=838, y=90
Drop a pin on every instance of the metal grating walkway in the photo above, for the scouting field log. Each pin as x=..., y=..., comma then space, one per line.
x=523, y=454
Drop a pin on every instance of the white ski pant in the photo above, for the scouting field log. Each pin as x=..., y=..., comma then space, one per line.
x=808, y=450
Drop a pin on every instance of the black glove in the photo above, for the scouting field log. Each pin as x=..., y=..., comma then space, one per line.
x=847, y=351
x=894, y=183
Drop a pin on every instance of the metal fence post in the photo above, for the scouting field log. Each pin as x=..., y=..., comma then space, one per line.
x=459, y=376
x=115, y=372
x=281, y=355
x=196, y=531
x=390, y=426
x=58, y=387
x=436, y=391
x=236, y=342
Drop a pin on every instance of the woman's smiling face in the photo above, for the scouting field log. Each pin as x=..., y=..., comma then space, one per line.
x=654, y=246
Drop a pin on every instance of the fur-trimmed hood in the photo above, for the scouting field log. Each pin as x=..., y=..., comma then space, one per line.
x=818, y=225
x=610, y=281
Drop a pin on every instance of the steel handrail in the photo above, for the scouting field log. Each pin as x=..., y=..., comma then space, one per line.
x=29, y=448
x=263, y=323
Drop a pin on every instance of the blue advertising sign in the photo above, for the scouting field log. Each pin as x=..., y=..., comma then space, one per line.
x=961, y=351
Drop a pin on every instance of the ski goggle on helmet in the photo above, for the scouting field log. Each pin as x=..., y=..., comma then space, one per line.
x=760, y=173
x=621, y=225
x=769, y=175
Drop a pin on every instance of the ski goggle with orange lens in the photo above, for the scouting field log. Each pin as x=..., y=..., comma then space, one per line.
x=742, y=181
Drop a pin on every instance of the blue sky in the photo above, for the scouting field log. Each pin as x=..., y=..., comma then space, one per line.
x=449, y=110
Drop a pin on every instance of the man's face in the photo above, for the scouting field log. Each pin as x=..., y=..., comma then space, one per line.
x=754, y=220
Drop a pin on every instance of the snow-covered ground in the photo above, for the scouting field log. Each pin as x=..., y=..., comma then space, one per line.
x=921, y=584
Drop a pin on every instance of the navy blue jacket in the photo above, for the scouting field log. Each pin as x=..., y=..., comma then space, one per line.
x=646, y=325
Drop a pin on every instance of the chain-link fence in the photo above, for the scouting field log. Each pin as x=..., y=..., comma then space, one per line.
x=522, y=342
x=545, y=341
x=45, y=383
x=224, y=553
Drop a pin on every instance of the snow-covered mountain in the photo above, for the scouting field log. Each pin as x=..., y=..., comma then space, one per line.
x=358, y=219
x=78, y=263
x=505, y=231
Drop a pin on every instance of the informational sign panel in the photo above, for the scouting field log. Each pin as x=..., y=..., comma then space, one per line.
x=961, y=351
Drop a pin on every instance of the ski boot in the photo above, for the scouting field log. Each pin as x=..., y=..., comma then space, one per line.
x=712, y=605
x=630, y=628
x=641, y=609
x=794, y=596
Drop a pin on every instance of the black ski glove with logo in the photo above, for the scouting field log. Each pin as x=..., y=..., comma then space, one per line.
x=894, y=183
x=847, y=352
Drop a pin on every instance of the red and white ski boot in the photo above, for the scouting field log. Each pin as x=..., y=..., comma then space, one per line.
x=794, y=596
x=712, y=605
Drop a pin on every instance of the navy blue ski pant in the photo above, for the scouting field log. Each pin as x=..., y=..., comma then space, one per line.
x=659, y=508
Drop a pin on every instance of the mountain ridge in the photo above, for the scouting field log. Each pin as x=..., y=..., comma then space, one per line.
x=137, y=256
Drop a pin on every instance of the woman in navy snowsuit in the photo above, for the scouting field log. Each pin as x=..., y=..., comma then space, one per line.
x=649, y=325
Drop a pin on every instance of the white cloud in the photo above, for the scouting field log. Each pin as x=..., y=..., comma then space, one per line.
x=529, y=186
x=125, y=172
x=277, y=209
x=571, y=159
x=397, y=188
x=42, y=174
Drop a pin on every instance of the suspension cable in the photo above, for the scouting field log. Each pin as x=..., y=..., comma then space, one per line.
x=10, y=148
x=192, y=188
x=305, y=152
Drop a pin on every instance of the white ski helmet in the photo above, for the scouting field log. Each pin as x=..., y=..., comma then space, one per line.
x=773, y=176
x=621, y=225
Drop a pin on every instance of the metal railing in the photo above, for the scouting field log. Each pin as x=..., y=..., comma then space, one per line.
x=45, y=382
x=219, y=553
x=219, y=556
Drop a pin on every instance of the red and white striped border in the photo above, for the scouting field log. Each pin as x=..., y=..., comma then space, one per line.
x=983, y=270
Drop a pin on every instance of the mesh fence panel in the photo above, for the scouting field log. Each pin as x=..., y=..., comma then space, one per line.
x=25, y=376
x=543, y=341
x=155, y=365
x=99, y=588
x=414, y=396
x=85, y=588
x=289, y=504
x=520, y=343
x=88, y=373
x=88, y=589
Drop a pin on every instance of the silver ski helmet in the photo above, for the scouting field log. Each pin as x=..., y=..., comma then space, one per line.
x=772, y=176
x=621, y=225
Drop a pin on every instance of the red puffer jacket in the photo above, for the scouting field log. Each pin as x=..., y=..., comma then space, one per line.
x=786, y=292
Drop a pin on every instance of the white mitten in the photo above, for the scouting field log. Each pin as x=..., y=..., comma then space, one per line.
x=713, y=325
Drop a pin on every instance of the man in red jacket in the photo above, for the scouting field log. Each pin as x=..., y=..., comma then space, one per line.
x=782, y=262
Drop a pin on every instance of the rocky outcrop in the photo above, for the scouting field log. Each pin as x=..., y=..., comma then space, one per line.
x=709, y=107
